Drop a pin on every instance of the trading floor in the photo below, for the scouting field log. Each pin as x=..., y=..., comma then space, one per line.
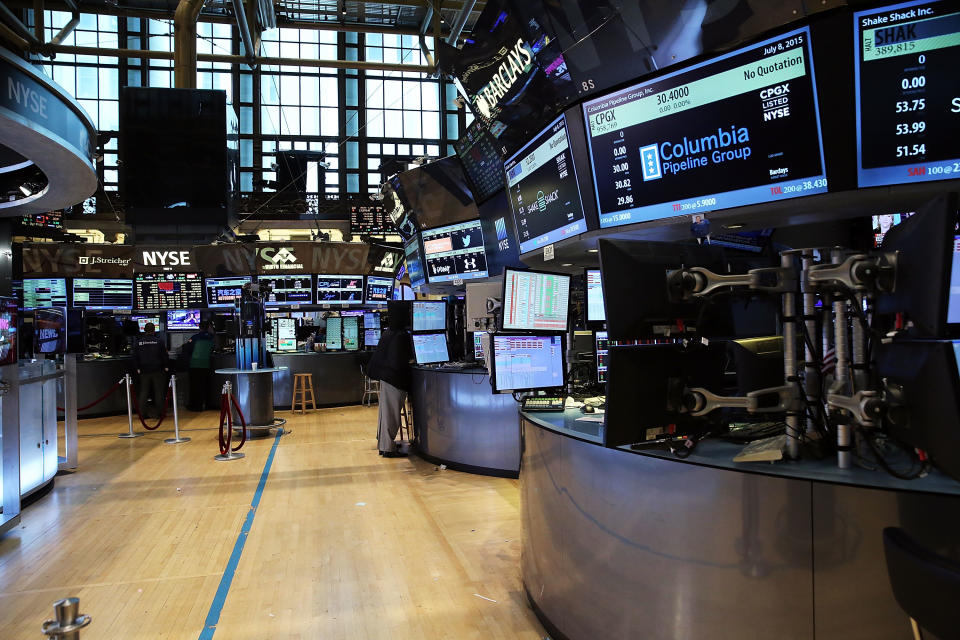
x=343, y=543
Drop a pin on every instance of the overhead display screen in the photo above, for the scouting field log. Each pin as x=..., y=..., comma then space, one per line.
x=953, y=301
x=369, y=219
x=44, y=292
x=543, y=190
x=378, y=290
x=736, y=130
x=908, y=93
x=454, y=252
x=288, y=289
x=481, y=161
x=102, y=293
x=414, y=262
x=595, y=309
x=534, y=301
x=225, y=292
x=169, y=291
x=339, y=290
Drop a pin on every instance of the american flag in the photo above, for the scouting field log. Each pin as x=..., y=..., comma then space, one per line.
x=829, y=363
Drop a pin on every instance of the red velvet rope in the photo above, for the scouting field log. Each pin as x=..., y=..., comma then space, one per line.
x=98, y=400
x=163, y=409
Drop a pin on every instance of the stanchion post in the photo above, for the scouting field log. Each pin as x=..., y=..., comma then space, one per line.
x=176, y=439
x=129, y=434
x=229, y=455
x=67, y=620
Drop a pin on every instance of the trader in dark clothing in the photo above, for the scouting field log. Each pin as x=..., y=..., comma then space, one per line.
x=200, y=348
x=152, y=363
x=391, y=366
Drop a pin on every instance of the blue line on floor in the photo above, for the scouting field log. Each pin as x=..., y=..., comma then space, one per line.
x=216, y=607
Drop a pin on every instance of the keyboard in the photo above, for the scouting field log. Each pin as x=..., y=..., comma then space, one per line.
x=766, y=450
x=541, y=403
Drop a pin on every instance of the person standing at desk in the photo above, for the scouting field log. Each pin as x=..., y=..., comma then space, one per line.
x=200, y=347
x=391, y=366
x=152, y=362
x=319, y=335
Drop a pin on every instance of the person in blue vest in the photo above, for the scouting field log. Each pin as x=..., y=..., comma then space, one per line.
x=200, y=347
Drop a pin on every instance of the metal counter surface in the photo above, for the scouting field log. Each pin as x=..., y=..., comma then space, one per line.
x=337, y=379
x=459, y=422
x=615, y=542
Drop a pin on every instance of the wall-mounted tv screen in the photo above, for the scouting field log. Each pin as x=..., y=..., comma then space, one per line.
x=225, y=292
x=369, y=219
x=8, y=331
x=288, y=289
x=183, y=320
x=738, y=129
x=481, y=161
x=339, y=290
x=454, y=252
x=438, y=192
x=378, y=290
x=44, y=292
x=102, y=293
x=414, y=261
x=169, y=291
x=542, y=189
x=50, y=330
x=907, y=92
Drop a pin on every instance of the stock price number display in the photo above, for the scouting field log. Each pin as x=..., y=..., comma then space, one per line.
x=735, y=130
x=908, y=93
x=169, y=291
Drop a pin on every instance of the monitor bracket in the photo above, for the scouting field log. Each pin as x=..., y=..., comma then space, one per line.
x=697, y=282
x=699, y=401
x=859, y=272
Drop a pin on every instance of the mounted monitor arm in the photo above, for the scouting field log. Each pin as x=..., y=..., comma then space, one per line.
x=697, y=282
x=698, y=401
x=859, y=272
x=864, y=407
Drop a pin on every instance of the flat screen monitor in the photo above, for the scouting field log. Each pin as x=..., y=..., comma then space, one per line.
x=883, y=223
x=44, y=292
x=143, y=321
x=481, y=161
x=438, y=192
x=953, y=301
x=102, y=293
x=414, y=261
x=284, y=290
x=371, y=337
x=454, y=252
x=334, y=334
x=907, y=92
x=524, y=363
x=371, y=320
x=8, y=331
x=377, y=290
x=595, y=308
x=169, y=291
x=369, y=219
x=225, y=292
x=346, y=313
x=183, y=320
x=339, y=290
x=602, y=350
x=286, y=329
x=543, y=190
x=478, y=346
x=535, y=300
x=430, y=348
x=351, y=333
x=429, y=315
x=50, y=330
x=738, y=129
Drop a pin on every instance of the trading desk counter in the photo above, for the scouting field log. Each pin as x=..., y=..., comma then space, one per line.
x=337, y=379
x=621, y=544
x=459, y=422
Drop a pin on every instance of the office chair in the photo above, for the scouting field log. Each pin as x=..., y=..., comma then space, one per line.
x=926, y=585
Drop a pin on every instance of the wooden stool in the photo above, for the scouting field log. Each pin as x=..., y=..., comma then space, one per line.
x=404, y=422
x=302, y=385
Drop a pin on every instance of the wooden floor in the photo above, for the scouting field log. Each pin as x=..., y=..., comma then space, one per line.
x=345, y=544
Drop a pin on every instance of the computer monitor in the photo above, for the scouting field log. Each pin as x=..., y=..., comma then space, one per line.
x=334, y=334
x=287, y=290
x=339, y=290
x=923, y=289
x=371, y=337
x=103, y=293
x=225, y=292
x=478, y=346
x=183, y=320
x=645, y=385
x=351, y=333
x=371, y=320
x=286, y=329
x=595, y=308
x=535, y=300
x=429, y=315
x=50, y=330
x=430, y=348
x=527, y=362
x=378, y=290
x=44, y=292
x=142, y=322
x=926, y=414
x=602, y=349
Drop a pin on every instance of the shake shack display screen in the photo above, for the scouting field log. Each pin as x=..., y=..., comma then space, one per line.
x=543, y=191
x=908, y=93
x=736, y=130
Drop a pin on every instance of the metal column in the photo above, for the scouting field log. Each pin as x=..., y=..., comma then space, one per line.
x=70, y=428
